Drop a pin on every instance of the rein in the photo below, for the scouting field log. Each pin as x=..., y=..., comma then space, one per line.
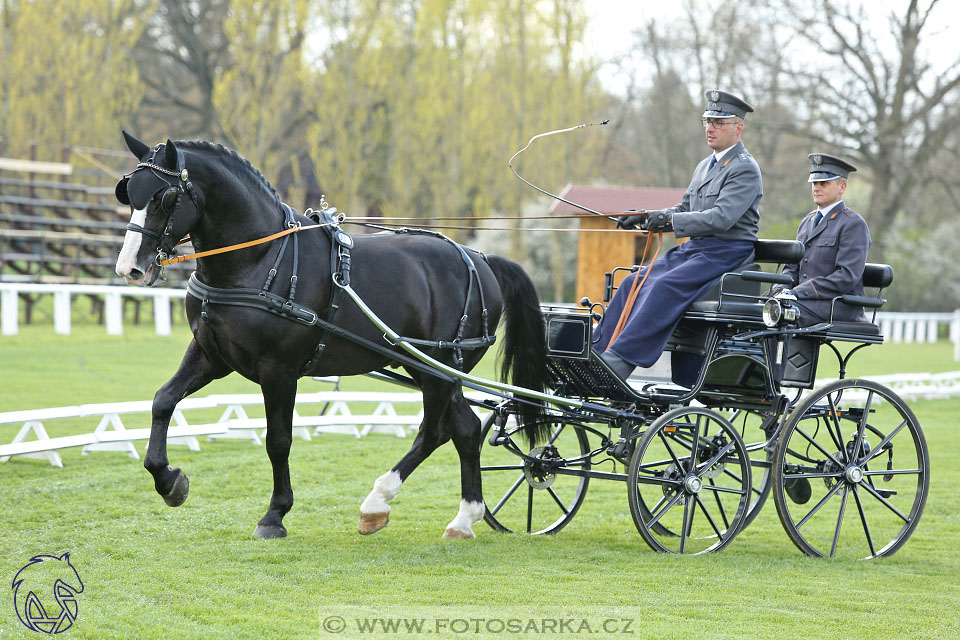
x=244, y=245
x=637, y=284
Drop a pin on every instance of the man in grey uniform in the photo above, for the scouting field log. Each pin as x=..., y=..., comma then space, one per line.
x=836, y=240
x=718, y=212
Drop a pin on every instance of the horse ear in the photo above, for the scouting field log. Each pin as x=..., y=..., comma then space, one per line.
x=170, y=156
x=136, y=147
x=65, y=556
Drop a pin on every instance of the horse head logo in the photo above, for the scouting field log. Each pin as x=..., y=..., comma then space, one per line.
x=43, y=575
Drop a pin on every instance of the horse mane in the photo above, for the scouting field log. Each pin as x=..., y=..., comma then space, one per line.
x=235, y=160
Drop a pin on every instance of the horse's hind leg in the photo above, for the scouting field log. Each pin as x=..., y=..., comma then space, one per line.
x=466, y=438
x=195, y=372
x=279, y=397
x=374, y=511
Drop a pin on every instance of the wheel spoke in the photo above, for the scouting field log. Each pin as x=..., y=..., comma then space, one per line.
x=822, y=502
x=529, y=508
x=836, y=532
x=556, y=434
x=556, y=499
x=715, y=459
x=673, y=501
x=740, y=480
x=710, y=519
x=666, y=444
x=696, y=442
x=883, y=443
x=719, y=489
x=506, y=496
x=863, y=423
x=863, y=519
x=820, y=448
x=723, y=512
x=502, y=467
x=838, y=434
x=687, y=523
x=885, y=502
x=893, y=472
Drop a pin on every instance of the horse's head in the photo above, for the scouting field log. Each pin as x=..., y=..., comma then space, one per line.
x=161, y=214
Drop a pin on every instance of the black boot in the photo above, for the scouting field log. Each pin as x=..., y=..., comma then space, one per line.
x=618, y=365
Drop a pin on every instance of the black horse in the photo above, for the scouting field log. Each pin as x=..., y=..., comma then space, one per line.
x=420, y=285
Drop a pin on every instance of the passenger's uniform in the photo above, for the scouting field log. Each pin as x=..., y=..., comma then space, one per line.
x=832, y=265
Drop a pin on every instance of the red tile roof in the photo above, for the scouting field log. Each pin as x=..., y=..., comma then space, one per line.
x=617, y=199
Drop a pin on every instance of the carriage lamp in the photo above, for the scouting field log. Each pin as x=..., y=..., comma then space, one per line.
x=780, y=309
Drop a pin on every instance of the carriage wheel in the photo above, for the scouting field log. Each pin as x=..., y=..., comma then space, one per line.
x=689, y=482
x=530, y=496
x=852, y=454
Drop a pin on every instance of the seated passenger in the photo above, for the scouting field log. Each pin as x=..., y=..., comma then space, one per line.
x=836, y=240
x=718, y=212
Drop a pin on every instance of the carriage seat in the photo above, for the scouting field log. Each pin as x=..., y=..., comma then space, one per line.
x=878, y=276
x=765, y=251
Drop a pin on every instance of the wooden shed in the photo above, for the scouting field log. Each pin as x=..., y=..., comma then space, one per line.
x=598, y=253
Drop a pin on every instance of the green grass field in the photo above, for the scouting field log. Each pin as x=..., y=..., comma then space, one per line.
x=195, y=572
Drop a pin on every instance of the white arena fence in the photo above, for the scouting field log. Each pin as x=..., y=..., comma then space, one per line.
x=331, y=413
x=907, y=327
x=334, y=412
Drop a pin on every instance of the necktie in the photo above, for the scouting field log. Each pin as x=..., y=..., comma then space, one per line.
x=713, y=161
x=817, y=219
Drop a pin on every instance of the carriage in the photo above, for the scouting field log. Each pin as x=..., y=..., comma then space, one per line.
x=736, y=419
x=700, y=450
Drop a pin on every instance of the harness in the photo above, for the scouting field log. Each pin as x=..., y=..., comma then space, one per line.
x=340, y=263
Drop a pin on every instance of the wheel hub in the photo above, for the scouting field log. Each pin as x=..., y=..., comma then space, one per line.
x=536, y=473
x=853, y=474
x=692, y=484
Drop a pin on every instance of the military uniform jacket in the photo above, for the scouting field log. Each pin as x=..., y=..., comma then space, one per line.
x=832, y=264
x=722, y=202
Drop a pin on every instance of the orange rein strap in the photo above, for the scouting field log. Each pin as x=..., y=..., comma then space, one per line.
x=242, y=245
x=635, y=289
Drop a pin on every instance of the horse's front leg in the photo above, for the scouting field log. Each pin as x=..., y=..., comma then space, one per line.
x=279, y=396
x=195, y=372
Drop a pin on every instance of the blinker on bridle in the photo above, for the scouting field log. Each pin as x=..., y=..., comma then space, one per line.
x=169, y=204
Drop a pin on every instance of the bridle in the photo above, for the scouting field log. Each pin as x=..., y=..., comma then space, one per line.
x=170, y=201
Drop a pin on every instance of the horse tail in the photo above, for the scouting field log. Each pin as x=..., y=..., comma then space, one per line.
x=523, y=356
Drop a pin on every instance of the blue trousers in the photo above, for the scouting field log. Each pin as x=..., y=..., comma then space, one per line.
x=677, y=279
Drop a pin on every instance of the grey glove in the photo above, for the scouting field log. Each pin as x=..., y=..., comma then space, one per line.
x=657, y=221
x=631, y=222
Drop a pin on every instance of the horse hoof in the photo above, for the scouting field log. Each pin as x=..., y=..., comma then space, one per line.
x=372, y=522
x=458, y=534
x=181, y=487
x=270, y=531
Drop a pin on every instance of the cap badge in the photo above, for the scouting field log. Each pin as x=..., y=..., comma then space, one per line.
x=817, y=158
x=714, y=95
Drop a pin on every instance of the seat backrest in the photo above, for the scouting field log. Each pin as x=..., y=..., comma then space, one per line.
x=778, y=251
x=877, y=275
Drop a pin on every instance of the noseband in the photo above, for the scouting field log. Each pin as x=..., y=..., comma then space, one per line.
x=170, y=202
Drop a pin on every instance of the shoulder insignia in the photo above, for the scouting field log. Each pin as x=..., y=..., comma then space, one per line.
x=743, y=156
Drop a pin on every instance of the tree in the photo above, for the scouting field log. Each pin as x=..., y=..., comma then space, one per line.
x=66, y=77
x=182, y=51
x=888, y=108
x=259, y=107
